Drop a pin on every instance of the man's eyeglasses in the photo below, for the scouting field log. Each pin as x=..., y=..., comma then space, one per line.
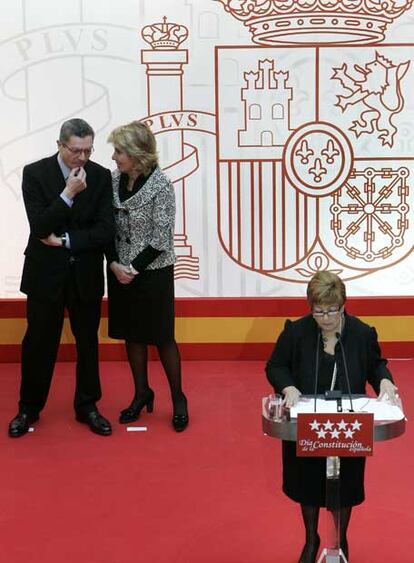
x=330, y=312
x=78, y=152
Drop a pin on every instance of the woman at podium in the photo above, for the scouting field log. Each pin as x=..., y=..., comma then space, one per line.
x=308, y=351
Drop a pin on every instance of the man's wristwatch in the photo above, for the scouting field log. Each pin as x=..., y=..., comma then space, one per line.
x=64, y=240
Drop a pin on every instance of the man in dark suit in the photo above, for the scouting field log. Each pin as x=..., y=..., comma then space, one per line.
x=68, y=202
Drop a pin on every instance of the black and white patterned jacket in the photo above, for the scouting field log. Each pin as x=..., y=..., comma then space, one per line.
x=146, y=218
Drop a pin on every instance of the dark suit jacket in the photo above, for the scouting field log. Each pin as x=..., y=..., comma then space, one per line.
x=89, y=223
x=293, y=358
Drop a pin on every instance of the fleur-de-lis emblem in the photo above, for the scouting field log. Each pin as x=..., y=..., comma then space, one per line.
x=317, y=170
x=304, y=152
x=330, y=152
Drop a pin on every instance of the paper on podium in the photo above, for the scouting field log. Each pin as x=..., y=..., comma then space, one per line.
x=382, y=410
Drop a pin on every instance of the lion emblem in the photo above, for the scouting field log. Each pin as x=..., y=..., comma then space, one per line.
x=378, y=87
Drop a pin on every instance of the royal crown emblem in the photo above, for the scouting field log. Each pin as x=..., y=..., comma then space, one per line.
x=276, y=22
x=165, y=36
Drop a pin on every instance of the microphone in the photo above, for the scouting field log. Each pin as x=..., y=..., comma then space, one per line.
x=339, y=337
x=316, y=369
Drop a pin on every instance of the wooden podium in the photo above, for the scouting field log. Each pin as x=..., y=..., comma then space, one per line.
x=332, y=435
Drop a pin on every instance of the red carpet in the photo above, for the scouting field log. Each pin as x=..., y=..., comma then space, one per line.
x=209, y=495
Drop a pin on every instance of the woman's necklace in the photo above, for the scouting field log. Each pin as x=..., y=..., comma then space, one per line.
x=326, y=338
x=329, y=341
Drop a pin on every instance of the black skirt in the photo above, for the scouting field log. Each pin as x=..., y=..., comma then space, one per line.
x=304, y=478
x=142, y=311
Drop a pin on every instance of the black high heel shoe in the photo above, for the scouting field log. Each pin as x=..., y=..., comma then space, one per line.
x=180, y=417
x=310, y=551
x=132, y=413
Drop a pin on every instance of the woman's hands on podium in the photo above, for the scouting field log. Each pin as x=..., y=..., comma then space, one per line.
x=388, y=389
x=291, y=396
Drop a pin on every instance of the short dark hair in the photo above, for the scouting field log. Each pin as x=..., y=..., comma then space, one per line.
x=77, y=127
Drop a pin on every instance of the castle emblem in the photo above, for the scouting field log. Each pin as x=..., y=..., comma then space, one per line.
x=266, y=98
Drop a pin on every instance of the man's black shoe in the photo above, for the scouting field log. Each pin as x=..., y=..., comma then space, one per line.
x=21, y=423
x=96, y=422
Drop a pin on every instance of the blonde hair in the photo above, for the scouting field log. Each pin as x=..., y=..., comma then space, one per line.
x=138, y=141
x=326, y=288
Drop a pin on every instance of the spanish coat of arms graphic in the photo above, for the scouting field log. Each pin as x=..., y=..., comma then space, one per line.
x=313, y=168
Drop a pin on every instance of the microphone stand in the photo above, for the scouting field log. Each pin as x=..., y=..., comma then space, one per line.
x=338, y=336
x=316, y=370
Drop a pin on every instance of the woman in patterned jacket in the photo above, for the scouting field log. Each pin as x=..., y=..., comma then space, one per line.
x=141, y=267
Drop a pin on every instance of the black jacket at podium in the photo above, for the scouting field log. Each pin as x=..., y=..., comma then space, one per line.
x=293, y=363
